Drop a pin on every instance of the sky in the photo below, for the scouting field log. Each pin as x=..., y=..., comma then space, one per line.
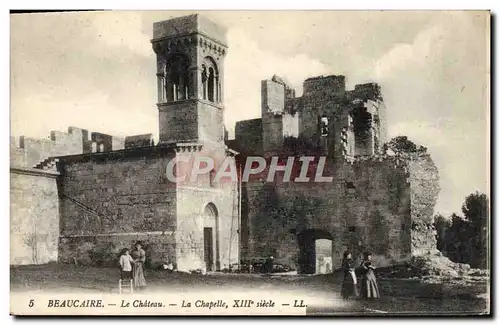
x=96, y=70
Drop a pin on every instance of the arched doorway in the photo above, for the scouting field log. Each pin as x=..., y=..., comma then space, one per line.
x=311, y=242
x=211, y=238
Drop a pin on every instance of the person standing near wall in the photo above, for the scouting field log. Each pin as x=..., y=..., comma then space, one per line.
x=369, y=287
x=350, y=283
x=139, y=256
x=269, y=265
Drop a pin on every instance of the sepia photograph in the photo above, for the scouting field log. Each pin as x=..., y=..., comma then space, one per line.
x=291, y=163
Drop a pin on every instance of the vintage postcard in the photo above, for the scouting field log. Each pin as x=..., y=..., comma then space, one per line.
x=250, y=163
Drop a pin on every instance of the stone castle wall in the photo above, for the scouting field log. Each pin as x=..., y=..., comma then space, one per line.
x=34, y=192
x=130, y=199
x=370, y=205
x=248, y=136
x=26, y=152
x=34, y=216
x=110, y=200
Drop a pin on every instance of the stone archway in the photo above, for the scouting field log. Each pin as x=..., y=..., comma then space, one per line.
x=307, y=248
x=211, y=237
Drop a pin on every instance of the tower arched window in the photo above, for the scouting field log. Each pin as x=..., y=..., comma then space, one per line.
x=204, y=80
x=177, y=81
x=211, y=85
x=210, y=81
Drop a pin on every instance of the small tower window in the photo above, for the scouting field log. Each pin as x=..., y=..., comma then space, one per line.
x=101, y=147
x=94, y=147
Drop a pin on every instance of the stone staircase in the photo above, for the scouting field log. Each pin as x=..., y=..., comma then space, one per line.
x=48, y=164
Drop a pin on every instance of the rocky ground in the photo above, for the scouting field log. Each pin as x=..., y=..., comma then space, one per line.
x=436, y=269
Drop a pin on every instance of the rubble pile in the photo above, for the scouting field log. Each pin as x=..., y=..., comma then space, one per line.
x=434, y=267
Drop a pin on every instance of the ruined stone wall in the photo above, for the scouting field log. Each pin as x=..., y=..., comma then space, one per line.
x=290, y=125
x=34, y=216
x=424, y=182
x=112, y=199
x=319, y=98
x=366, y=207
x=272, y=107
x=248, y=135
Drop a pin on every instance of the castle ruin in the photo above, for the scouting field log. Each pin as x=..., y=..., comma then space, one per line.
x=80, y=198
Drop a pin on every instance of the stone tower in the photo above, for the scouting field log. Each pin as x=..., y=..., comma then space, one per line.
x=190, y=54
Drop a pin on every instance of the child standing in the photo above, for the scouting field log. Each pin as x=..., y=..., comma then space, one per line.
x=126, y=262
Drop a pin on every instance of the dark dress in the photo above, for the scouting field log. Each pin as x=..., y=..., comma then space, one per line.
x=138, y=268
x=369, y=287
x=349, y=285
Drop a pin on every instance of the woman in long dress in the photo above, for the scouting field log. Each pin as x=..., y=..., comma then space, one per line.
x=349, y=285
x=139, y=256
x=369, y=287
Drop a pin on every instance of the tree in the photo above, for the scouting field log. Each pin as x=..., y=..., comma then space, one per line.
x=476, y=212
x=465, y=240
x=442, y=226
x=457, y=240
x=401, y=144
x=476, y=208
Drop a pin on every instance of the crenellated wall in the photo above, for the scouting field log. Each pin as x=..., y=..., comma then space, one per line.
x=26, y=152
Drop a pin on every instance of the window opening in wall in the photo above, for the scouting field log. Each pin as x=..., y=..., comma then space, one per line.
x=101, y=147
x=352, y=229
x=177, y=78
x=204, y=81
x=211, y=82
x=349, y=185
x=324, y=126
x=94, y=147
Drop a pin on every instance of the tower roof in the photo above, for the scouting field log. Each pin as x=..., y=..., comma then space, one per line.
x=186, y=25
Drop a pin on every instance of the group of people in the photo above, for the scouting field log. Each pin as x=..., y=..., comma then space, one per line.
x=369, y=287
x=132, y=265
